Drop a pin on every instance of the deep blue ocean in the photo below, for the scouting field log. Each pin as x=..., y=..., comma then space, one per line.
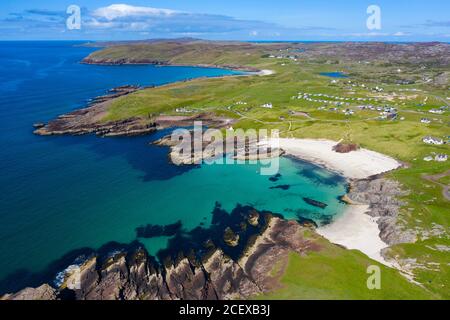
x=58, y=194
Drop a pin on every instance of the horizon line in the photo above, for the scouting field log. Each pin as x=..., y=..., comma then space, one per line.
x=217, y=40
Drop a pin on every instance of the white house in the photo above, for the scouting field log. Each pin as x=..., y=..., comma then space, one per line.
x=267, y=105
x=432, y=140
x=425, y=120
x=428, y=159
x=441, y=158
x=437, y=111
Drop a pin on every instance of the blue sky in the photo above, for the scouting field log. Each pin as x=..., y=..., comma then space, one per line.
x=401, y=20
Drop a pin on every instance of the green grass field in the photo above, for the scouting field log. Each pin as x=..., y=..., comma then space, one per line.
x=336, y=273
x=425, y=206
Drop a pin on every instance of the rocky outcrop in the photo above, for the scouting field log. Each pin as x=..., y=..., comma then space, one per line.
x=44, y=292
x=90, y=120
x=186, y=152
x=200, y=275
x=345, y=147
x=74, y=124
x=383, y=197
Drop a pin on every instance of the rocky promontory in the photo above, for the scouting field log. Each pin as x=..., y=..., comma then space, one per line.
x=208, y=274
x=185, y=153
x=90, y=120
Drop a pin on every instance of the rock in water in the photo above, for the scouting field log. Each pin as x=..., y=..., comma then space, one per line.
x=315, y=203
x=230, y=237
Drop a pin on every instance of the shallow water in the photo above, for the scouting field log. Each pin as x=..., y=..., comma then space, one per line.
x=63, y=193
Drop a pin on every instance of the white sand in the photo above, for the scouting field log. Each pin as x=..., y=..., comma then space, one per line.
x=354, y=165
x=354, y=229
x=266, y=72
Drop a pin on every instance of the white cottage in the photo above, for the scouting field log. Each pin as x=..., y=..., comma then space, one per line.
x=432, y=140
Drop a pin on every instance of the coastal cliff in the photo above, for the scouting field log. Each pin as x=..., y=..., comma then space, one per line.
x=207, y=275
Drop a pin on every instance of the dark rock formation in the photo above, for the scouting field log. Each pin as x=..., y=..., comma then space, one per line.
x=282, y=187
x=275, y=178
x=185, y=152
x=231, y=238
x=208, y=276
x=315, y=203
x=153, y=231
x=38, y=125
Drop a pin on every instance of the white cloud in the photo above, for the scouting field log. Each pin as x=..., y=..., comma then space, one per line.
x=254, y=33
x=116, y=11
x=400, y=34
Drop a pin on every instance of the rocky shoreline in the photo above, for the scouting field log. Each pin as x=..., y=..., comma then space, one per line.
x=208, y=274
x=251, y=150
x=236, y=267
x=382, y=196
x=89, y=120
x=221, y=270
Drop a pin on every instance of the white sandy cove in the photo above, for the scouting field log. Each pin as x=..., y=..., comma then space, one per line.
x=266, y=72
x=354, y=229
x=359, y=164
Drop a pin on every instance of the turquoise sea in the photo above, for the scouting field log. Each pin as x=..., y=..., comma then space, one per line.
x=58, y=194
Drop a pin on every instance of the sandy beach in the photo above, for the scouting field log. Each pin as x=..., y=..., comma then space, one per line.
x=359, y=164
x=266, y=72
x=354, y=229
